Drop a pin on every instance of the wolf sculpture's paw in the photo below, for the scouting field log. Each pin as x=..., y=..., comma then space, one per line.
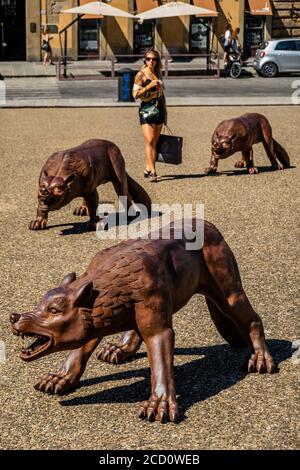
x=56, y=384
x=81, y=211
x=38, y=224
x=163, y=408
x=114, y=353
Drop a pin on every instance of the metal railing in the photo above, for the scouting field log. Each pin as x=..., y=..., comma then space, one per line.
x=173, y=65
x=103, y=69
x=191, y=65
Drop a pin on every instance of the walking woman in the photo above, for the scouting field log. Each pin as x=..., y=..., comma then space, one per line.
x=148, y=87
x=46, y=47
x=227, y=42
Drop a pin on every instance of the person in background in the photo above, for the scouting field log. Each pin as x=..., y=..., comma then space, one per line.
x=227, y=42
x=148, y=87
x=235, y=42
x=46, y=47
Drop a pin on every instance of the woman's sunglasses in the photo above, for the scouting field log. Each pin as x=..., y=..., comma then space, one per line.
x=154, y=59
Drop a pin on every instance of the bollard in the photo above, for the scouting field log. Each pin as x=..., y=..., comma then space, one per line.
x=125, y=84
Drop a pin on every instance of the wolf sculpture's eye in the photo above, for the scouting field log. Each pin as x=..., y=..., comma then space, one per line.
x=57, y=190
x=54, y=310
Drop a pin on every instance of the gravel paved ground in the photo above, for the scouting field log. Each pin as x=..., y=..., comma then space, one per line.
x=221, y=407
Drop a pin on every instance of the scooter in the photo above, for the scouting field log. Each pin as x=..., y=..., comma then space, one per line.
x=233, y=68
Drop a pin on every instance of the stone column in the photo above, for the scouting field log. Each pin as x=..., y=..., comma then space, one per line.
x=268, y=28
x=33, y=30
x=158, y=42
x=130, y=34
x=241, y=20
x=104, y=45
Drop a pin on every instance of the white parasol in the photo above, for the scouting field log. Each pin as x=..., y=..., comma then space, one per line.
x=174, y=9
x=98, y=8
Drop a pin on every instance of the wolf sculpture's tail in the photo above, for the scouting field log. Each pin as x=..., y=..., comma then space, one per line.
x=281, y=154
x=138, y=194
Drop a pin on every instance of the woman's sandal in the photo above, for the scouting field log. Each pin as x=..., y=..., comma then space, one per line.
x=154, y=178
x=147, y=173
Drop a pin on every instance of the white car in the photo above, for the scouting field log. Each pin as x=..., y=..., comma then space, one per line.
x=277, y=56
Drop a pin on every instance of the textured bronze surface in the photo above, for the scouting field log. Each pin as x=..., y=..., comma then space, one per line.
x=240, y=134
x=77, y=172
x=135, y=287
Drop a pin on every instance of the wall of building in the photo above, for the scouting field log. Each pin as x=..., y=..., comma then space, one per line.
x=282, y=24
x=230, y=11
x=33, y=30
x=50, y=15
x=116, y=33
x=171, y=34
x=174, y=34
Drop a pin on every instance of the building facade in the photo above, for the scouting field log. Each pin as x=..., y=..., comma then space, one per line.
x=21, y=23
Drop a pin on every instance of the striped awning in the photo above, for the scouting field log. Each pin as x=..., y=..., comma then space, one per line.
x=144, y=5
x=209, y=5
x=260, y=7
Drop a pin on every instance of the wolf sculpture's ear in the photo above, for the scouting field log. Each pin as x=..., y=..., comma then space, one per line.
x=68, y=279
x=69, y=179
x=84, y=294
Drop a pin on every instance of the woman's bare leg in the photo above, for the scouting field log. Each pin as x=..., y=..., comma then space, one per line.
x=150, y=140
x=158, y=130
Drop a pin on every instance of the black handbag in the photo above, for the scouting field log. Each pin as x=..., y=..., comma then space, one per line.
x=46, y=46
x=169, y=148
x=149, y=111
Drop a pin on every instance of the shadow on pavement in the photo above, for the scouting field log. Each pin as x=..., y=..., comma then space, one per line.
x=244, y=74
x=116, y=220
x=235, y=172
x=217, y=368
x=73, y=228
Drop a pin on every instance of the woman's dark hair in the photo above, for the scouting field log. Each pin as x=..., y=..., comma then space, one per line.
x=158, y=64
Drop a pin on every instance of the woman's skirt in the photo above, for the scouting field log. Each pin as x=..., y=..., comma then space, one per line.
x=159, y=119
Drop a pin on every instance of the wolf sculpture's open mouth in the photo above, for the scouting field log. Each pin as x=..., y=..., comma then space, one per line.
x=39, y=346
x=220, y=151
x=47, y=201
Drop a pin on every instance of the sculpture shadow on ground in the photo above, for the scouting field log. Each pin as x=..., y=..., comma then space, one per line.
x=237, y=172
x=76, y=228
x=215, y=368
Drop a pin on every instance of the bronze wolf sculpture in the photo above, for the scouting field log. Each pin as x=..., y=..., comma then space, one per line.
x=77, y=172
x=240, y=134
x=135, y=287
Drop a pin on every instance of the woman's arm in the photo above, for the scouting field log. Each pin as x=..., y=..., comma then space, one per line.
x=139, y=91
